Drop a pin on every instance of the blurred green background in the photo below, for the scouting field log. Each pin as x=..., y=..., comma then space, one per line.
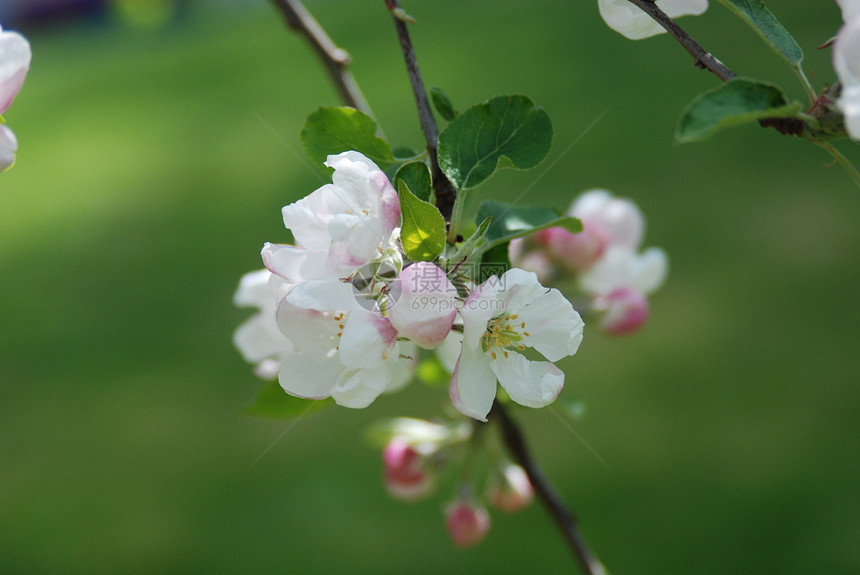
x=153, y=163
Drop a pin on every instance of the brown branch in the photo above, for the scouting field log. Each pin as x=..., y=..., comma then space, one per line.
x=336, y=60
x=444, y=190
x=546, y=493
x=707, y=61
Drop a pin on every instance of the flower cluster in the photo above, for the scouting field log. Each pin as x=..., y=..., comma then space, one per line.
x=604, y=260
x=416, y=452
x=627, y=19
x=14, y=63
x=846, y=61
x=343, y=312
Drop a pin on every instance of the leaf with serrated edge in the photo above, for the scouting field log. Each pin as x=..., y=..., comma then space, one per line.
x=737, y=102
x=333, y=130
x=508, y=128
x=423, y=231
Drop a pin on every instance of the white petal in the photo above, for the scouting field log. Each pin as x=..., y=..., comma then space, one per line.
x=322, y=295
x=627, y=19
x=14, y=63
x=309, y=330
x=8, y=146
x=484, y=303
x=359, y=388
x=850, y=9
x=368, y=340
x=846, y=53
x=621, y=268
x=292, y=263
x=554, y=327
x=473, y=384
x=449, y=351
x=258, y=338
x=310, y=375
x=529, y=383
x=403, y=366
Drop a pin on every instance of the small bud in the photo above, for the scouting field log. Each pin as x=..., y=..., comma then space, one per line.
x=513, y=491
x=625, y=310
x=577, y=251
x=467, y=524
x=405, y=476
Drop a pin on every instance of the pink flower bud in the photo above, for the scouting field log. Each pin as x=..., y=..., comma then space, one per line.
x=467, y=524
x=625, y=310
x=14, y=64
x=514, y=490
x=425, y=310
x=578, y=251
x=405, y=476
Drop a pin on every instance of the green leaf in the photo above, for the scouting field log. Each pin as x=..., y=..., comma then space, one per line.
x=272, y=401
x=511, y=221
x=423, y=231
x=443, y=104
x=416, y=175
x=334, y=130
x=737, y=102
x=756, y=14
x=509, y=130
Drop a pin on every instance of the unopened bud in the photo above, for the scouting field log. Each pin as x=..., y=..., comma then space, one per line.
x=513, y=491
x=625, y=311
x=405, y=476
x=467, y=524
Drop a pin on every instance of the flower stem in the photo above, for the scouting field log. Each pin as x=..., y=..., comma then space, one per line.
x=564, y=519
x=335, y=59
x=442, y=187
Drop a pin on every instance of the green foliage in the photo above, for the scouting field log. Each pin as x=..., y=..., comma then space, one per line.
x=416, y=175
x=511, y=221
x=443, y=104
x=423, y=231
x=272, y=401
x=332, y=130
x=508, y=130
x=430, y=371
x=737, y=102
x=756, y=14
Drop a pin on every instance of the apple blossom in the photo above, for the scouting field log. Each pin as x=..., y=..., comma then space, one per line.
x=467, y=524
x=406, y=477
x=624, y=310
x=501, y=318
x=846, y=61
x=258, y=339
x=628, y=20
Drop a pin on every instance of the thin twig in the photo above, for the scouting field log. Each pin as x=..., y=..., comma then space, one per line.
x=336, y=60
x=547, y=494
x=444, y=190
x=703, y=58
x=707, y=61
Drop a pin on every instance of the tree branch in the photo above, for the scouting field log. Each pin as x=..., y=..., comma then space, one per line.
x=443, y=188
x=547, y=494
x=336, y=60
x=707, y=61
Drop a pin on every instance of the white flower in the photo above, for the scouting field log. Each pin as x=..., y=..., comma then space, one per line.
x=850, y=9
x=351, y=356
x=624, y=268
x=846, y=61
x=258, y=339
x=502, y=317
x=8, y=145
x=629, y=20
x=14, y=63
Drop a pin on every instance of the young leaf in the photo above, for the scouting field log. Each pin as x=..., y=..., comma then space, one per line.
x=443, y=104
x=509, y=130
x=416, y=175
x=334, y=130
x=423, y=231
x=467, y=247
x=510, y=221
x=739, y=101
x=272, y=401
x=756, y=14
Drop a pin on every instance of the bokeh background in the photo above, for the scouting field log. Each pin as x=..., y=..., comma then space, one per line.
x=156, y=149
